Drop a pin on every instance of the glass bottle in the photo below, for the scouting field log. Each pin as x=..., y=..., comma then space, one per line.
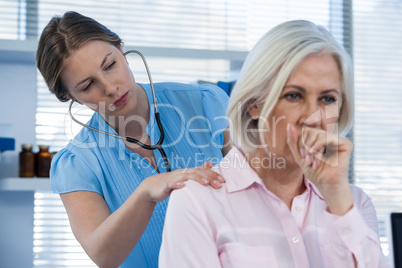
x=43, y=160
x=27, y=161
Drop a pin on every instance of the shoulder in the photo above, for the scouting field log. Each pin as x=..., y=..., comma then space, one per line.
x=201, y=90
x=81, y=153
x=72, y=171
x=196, y=194
x=85, y=135
x=77, y=167
x=76, y=150
x=174, y=87
x=77, y=163
x=81, y=147
x=189, y=98
x=88, y=146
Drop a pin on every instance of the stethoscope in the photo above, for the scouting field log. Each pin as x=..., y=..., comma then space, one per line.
x=158, y=145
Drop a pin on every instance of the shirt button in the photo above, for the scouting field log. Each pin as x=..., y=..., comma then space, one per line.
x=346, y=231
x=295, y=240
x=298, y=209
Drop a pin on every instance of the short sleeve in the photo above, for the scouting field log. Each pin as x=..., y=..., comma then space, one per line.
x=69, y=173
x=215, y=102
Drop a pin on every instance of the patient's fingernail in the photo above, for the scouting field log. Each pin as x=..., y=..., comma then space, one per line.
x=179, y=183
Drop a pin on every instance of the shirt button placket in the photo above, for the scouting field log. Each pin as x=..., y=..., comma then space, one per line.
x=346, y=232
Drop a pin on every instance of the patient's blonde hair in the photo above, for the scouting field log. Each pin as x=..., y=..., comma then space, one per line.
x=268, y=67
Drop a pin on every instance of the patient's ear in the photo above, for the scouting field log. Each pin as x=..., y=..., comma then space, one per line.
x=253, y=109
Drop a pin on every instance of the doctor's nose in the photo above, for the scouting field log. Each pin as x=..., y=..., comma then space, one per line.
x=110, y=88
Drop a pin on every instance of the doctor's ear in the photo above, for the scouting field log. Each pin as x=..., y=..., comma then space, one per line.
x=122, y=52
x=72, y=98
x=253, y=109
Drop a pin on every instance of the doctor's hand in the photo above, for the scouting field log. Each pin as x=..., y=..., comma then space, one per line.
x=158, y=187
x=324, y=158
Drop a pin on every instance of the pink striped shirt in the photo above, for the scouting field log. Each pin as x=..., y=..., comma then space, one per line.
x=245, y=225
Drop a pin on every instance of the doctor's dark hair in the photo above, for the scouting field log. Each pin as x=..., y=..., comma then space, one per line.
x=62, y=36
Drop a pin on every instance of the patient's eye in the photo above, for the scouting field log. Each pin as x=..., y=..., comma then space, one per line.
x=328, y=99
x=292, y=96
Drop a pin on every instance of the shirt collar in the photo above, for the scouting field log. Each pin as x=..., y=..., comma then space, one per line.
x=312, y=188
x=235, y=166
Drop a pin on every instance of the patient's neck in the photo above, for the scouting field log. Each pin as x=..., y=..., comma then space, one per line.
x=285, y=181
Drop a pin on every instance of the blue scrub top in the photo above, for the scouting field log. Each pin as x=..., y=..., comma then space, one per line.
x=193, y=118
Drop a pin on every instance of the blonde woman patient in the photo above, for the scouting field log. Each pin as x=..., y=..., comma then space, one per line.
x=287, y=201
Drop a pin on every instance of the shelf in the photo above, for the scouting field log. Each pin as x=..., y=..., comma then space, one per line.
x=20, y=51
x=25, y=184
x=25, y=51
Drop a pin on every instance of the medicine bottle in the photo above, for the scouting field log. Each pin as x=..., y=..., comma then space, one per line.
x=42, y=160
x=27, y=161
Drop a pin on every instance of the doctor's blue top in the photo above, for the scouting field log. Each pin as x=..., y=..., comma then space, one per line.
x=193, y=118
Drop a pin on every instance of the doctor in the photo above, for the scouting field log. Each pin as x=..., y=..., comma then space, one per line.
x=115, y=192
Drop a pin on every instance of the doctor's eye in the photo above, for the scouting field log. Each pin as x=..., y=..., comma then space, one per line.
x=110, y=65
x=87, y=86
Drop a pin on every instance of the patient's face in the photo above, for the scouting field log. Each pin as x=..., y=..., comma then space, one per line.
x=311, y=97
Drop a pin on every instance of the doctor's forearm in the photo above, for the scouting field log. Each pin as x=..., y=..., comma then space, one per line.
x=116, y=237
x=107, y=238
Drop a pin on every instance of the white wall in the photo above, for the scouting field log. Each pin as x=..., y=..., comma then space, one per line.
x=17, y=110
x=16, y=229
x=17, y=119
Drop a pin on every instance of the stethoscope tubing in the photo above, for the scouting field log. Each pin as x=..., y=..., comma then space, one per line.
x=158, y=145
x=149, y=75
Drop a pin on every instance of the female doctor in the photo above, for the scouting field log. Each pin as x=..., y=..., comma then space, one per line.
x=115, y=191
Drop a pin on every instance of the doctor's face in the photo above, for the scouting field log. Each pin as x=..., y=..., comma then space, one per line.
x=97, y=75
x=311, y=97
